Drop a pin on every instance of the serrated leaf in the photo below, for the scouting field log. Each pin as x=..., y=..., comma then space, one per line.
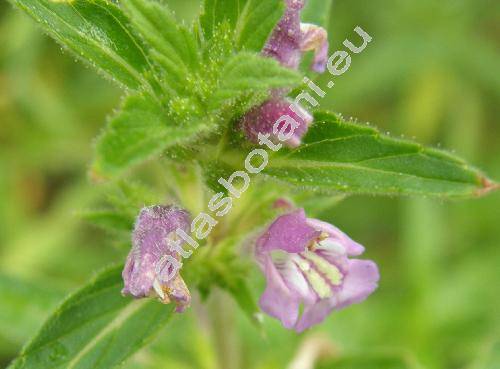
x=173, y=46
x=351, y=158
x=96, y=31
x=317, y=12
x=256, y=22
x=139, y=131
x=94, y=328
x=247, y=74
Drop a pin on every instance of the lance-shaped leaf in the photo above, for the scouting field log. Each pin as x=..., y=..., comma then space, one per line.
x=248, y=74
x=173, y=46
x=348, y=157
x=95, y=328
x=96, y=31
x=136, y=133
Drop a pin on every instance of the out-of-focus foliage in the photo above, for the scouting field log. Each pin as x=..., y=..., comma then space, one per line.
x=431, y=70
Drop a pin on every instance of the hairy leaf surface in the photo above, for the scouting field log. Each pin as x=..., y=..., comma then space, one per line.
x=251, y=20
x=172, y=45
x=94, y=328
x=96, y=31
x=136, y=133
x=248, y=73
x=256, y=22
x=216, y=12
x=347, y=157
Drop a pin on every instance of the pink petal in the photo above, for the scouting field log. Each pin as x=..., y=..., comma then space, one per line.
x=361, y=280
x=277, y=300
x=289, y=233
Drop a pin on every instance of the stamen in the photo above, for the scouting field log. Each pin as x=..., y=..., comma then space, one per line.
x=315, y=279
x=158, y=289
x=330, y=245
x=331, y=273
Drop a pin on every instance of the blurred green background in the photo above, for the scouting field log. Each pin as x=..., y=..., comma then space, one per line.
x=432, y=72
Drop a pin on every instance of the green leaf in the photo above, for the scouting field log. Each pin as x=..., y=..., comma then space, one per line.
x=347, y=157
x=94, y=328
x=251, y=20
x=136, y=133
x=173, y=46
x=256, y=22
x=247, y=74
x=96, y=31
x=317, y=12
x=216, y=12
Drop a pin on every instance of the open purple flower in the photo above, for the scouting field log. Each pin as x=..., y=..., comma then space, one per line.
x=306, y=261
x=152, y=265
x=289, y=40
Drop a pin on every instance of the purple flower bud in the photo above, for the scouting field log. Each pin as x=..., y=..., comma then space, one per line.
x=152, y=267
x=289, y=40
x=284, y=43
x=306, y=261
x=262, y=119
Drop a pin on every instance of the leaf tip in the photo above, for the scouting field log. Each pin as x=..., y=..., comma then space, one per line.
x=487, y=187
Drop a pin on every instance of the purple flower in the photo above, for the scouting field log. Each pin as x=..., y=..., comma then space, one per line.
x=306, y=261
x=288, y=41
x=261, y=119
x=152, y=265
